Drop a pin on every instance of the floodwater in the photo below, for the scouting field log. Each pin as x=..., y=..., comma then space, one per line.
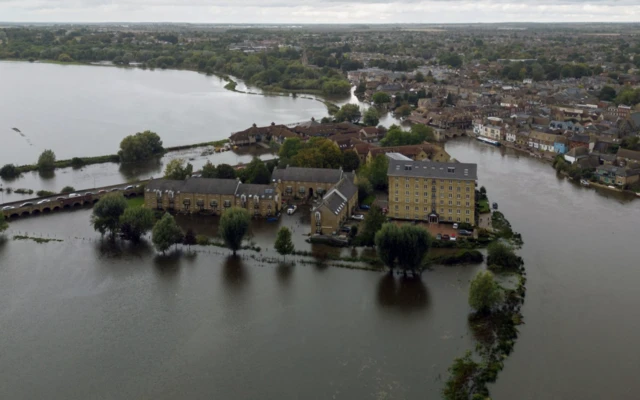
x=80, y=111
x=581, y=337
x=82, y=319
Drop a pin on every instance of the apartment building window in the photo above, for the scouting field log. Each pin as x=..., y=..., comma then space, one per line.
x=441, y=187
x=466, y=219
x=213, y=204
x=406, y=193
x=458, y=211
x=426, y=187
x=397, y=186
x=406, y=186
x=450, y=202
x=458, y=188
x=458, y=196
x=450, y=180
x=227, y=203
x=450, y=211
x=200, y=204
x=450, y=196
x=417, y=194
x=450, y=187
x=417, y=186
x=468, y=212
x=396, y=192
x=468, y=197
x=406, y=200
x=467, y=189
x=289, y=190
x=468, y=204
x=425, y=194
x=417, y=208
x=426, y=209
x=426, y=200
x=396, y=199
x=442, y=211
x=450, y=219
x=458, y=203
x=441, y=202
x=396, y=207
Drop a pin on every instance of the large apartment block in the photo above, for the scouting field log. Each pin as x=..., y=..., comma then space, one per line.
x=432, y=191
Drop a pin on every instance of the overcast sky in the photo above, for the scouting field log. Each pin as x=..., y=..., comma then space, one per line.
x=320, y=11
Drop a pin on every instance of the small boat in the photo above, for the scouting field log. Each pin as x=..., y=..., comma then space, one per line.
x=585, y=182
x=495, y=206
x=488, y=141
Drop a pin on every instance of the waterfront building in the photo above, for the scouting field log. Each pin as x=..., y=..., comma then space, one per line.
x=335, y=207
x=211, y=196
x=432, y=191
x=303, y=183
x=417, y=152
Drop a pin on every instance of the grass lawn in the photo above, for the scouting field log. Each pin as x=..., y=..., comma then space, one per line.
x=136, y=201
x=484, y=206
x=368, y=200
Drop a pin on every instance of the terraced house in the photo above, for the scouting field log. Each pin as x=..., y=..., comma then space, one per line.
x=211, y=196
x=303, y=183
x=432, y=191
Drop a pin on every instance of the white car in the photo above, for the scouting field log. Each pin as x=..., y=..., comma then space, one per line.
x=43, y=201
x=455, y=226
x=292, y=209
x=6, y=208
x=129, y=187
x=358, y=217
x=72, y=195
x=27, y=204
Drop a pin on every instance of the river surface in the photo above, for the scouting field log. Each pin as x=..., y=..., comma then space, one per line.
x=581, y=338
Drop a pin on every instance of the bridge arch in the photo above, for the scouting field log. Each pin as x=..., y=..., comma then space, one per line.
x=14, y=215
x=25, y=213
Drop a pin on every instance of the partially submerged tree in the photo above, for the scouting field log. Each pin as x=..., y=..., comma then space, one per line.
x=283, y=244
x=141, y=146
x=189, y=238
x=135, y=222
x=404, y=246
x=3, y=223
x=47, y=160
x=484, y=292
x=166, y=233
x=234, y=225
x=373, y=221
x=107, y=212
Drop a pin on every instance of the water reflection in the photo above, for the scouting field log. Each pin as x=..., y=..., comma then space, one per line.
x=168, y=265
x=107, y=248
x=49, y=174
x=130, y=171
x=284, y=272
x=402, y=293
x=234, y=272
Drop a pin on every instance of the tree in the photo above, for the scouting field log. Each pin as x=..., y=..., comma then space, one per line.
x=349, y=112
x=9, y=171
x=365, y=188
x=255, y=172
x=484, y=292
x=166, y=233
x=387, y=241
x=371, y=117
x=380, y=98
x=47, y=160
x=416, y=135
x=419, y=77
x=607, y=93
x=209, y=170
x=414, y=245
x=502, y=257
x=176, y=170
x=68, y=189
x=135, y=222
x=3, y=223
x=107, y=212
x=226, y=171
x=404, y=110
x=373, y=221
x=234, y=225
x=141, y=146
x=189, y=238
x=376, y=172
x=290, y=148
x=350, y=161
x=284, y=245
x=361, y=88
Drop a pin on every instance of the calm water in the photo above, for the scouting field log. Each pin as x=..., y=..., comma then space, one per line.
x=582, y=335
x=87, y=110
x=82, y=320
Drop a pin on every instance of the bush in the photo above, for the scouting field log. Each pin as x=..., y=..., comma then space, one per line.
x=9, y=171
x=77, y=162
x=44, y=193
x=68, y=189
x=461, y=257
x=502, y=257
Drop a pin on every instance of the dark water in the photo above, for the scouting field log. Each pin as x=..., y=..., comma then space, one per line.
x=82, y=319
x=582, y=334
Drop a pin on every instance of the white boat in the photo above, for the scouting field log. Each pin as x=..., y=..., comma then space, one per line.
x=585, y=182
x=488, y=141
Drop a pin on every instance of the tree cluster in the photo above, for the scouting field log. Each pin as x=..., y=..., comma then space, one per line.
x=317, y=152
x=403, y=246
x=140, y=147
x=417, y=134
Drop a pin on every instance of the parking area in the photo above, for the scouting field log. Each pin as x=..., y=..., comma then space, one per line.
x=434, y=229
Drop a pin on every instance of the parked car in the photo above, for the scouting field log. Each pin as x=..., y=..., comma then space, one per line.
x=72, y=195
x=61, y=198
x=446, y=237
x=453, y=238
x=465, y=232
x=88, y=194
x=365, y=207
x=6, y=208
x=438, y=237
x=114, y=190
x=346, y=229
x=102, y=192
x=43, y=201
x=131, y=186
x=358, y=217
x=455, y=226
x=27, y=204
x=291, y=210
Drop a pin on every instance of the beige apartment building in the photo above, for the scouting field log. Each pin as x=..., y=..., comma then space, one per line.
x=432, y=191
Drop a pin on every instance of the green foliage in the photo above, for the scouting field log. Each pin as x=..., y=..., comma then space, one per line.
x=44, y=193
x=46, y=161
x=283, y=244
x=373, y=222
x=348, y=112
x=631, y=143
x=107, y=212
x=365, y=188
x=501, y=257
x=9, y=171
x=462, y=373
x=290, y=148
x=176, y=170
x=628, y=96
x=135, y=222
x=461, y=257
x=452, y=59
x=255, y=172
x=416, y=135
x=140, y=147
x=317, y=152
x=166, y=233
x=376, y=172
x=234, y=225
x=607, y=93
x=222, y=171
x=3, y=223
x=68, y=189
x=484, y=292
x=190, y=238
x=403, y=111
x=380, y=98
x=405, y=246
x=371, y=117
x=65, y=58
x=350, y=161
